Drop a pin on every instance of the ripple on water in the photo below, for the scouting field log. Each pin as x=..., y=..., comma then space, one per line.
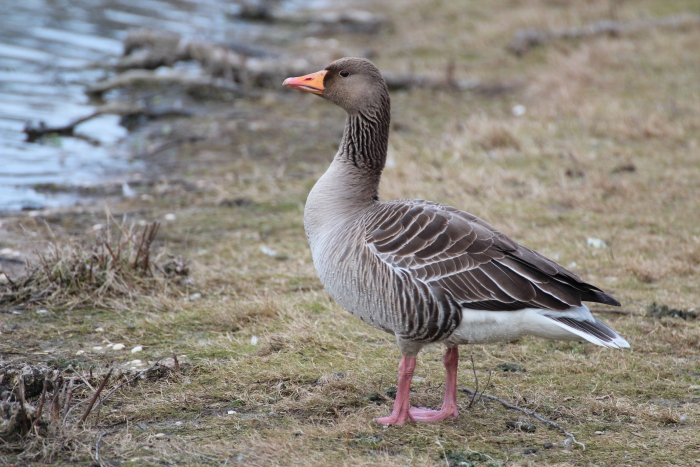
x=46, y=52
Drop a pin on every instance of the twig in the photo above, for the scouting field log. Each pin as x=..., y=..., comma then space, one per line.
x=143, y=253
x=36, y=131
x=111, y=253
x=476, y=383
x=66, y=404
x=476, y=399
x=145, y=77
x=55, y=401
x=235, y=72
x=101, y=401
x=526, y=39
x=338, y=21
x=399, y=81
x=488, y=381
x=138, y=375
x=97, y=448
x=82, y=378
x=529, y=412
x=151, y=236
x=95, y=396
x=65, y=417
x=169, y=144
x=42, y=401
x=22, y=402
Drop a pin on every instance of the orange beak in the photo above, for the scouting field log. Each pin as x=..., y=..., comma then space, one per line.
x=312, y=83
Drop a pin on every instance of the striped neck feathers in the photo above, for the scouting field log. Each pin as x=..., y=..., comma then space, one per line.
x=366, y=138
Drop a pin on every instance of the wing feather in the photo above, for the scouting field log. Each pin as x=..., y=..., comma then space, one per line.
x=442, y=249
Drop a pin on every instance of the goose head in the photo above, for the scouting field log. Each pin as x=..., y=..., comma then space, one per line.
x=354, y=84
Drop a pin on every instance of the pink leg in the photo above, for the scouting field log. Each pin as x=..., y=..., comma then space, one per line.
x=401, y=405
x=449, y=407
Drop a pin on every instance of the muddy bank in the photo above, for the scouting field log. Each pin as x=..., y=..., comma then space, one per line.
x=53, y=133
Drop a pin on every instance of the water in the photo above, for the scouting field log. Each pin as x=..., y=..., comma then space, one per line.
x=48, y=51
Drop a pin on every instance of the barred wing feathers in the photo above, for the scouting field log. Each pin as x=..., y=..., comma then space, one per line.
x=457, y=253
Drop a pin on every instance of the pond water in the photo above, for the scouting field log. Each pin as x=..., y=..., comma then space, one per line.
x=48, y=53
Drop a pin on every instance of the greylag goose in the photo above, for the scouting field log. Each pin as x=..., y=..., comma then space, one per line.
x=422, y=271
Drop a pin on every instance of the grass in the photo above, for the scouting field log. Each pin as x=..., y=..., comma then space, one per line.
x=306, y=392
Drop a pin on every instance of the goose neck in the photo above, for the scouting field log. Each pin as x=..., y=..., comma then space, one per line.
x=366, y=139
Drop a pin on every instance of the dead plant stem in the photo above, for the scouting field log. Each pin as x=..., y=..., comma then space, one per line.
x=95, y=396
x=532, y=413
x=42, y=401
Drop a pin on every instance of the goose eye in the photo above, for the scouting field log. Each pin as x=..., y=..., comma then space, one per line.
x=344, y=74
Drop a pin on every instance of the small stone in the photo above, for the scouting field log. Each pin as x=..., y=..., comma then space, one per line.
x=97, y=347
x=80, y=352
x=118, y=346
x=510, y=367
x=98, y=227
x=596, y=243
x=178, y=423
x=195, y=296
x=170, y=217
x=99, y=329
x=521, y=426
x=519, y=110
x=127, y=191
x=138, y=348
x=273, y=253
x=254, y=340
x=231, y=412
x=268, y=251
x=599, y=433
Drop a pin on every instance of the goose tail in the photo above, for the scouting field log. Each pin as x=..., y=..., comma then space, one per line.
x=591, y=329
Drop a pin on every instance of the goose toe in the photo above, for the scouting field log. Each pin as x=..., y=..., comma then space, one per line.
x=421, y=414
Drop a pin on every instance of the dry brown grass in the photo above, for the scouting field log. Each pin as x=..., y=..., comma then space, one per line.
x=607, y=148
x=95, y=272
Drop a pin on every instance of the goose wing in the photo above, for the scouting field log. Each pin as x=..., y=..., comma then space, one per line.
x=454, y=252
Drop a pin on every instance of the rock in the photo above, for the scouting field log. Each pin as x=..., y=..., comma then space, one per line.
x=13, y=420
x=33, y=375
x=510, y=367
x=521, y=426
x=596, y=243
